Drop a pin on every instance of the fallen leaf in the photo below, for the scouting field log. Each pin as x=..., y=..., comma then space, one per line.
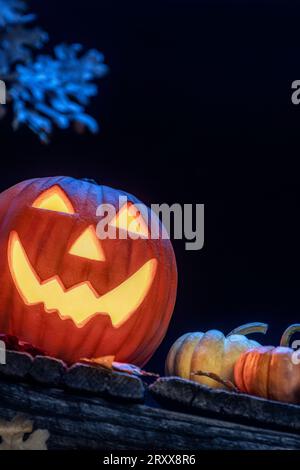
x=108, y=363
x=12, y=434
x=105, y=361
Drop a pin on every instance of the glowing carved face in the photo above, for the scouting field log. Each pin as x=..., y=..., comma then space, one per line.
x=71, y=294
x=80, y=302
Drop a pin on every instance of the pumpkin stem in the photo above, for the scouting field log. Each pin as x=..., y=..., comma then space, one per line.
x=211, y=375
x=249, y=328
x=289, y=332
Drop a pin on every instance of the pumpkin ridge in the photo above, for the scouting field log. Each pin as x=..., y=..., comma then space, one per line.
x=237, y=371
x=267, y=379
x=191, y=360
x=244, y=374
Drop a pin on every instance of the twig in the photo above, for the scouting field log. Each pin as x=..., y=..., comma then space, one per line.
x=211, y=375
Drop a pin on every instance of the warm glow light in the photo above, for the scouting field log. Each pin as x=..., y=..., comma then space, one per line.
x=54, y=199
x=88, y=246
x=81, y=302
x=131, y=220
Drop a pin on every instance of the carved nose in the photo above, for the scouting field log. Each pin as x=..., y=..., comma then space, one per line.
x=88, y=246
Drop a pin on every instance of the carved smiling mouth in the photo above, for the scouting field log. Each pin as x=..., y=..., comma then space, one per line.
x=81, y=302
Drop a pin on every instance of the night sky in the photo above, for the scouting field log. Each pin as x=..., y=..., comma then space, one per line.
x=196, y=108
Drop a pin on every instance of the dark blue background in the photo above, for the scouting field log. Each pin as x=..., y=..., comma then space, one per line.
x=196, y=109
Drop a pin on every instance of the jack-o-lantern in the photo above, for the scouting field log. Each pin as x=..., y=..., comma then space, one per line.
x=69, y=292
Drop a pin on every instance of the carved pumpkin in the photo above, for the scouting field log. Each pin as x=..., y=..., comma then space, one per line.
x=210, y=352
x=270, y=372
x=70, y=293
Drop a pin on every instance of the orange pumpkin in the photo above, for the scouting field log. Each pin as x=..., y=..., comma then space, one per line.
x=70, y=293
x=271, y=372
x=210, y=352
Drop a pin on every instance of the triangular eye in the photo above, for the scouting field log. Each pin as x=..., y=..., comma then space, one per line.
x=54, y=199
x=130, y=219
x=88, y=246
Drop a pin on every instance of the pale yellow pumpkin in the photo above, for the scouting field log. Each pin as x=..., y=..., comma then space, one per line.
x=211, y=352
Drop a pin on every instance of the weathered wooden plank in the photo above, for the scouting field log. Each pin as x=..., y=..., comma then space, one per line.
x=197, y=398
x=48, y=371
x=18, y=364
x=80, y=377
x=84, y=378
x=82, y=422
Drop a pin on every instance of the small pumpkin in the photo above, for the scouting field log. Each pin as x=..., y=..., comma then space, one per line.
x=210, y=352
x=270, y=372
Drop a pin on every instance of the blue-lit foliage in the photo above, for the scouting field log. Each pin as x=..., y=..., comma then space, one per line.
x=45, y=91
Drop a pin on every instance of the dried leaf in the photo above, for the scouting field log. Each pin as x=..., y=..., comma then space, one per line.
x=108, y=363
x=105, y=361
x=12, y=434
